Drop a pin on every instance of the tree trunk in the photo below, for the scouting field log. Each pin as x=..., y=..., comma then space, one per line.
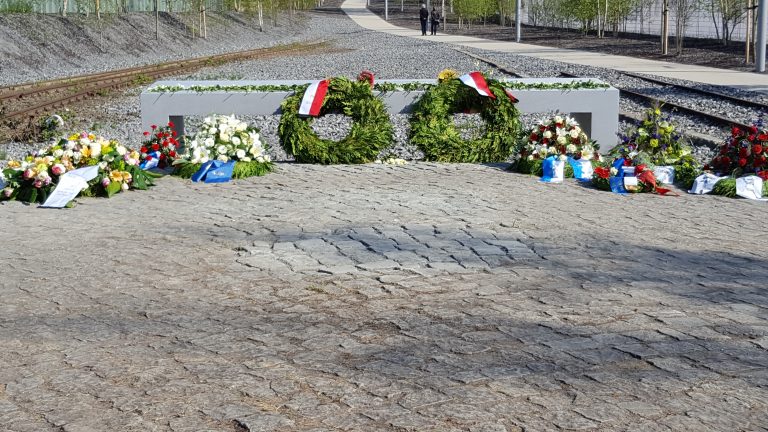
x=260, y=11
x=64, y=8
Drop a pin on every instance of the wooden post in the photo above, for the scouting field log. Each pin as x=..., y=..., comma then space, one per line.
x=157, y=20
x=664, y=28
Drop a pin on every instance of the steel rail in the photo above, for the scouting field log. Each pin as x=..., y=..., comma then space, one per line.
x=85, y=86
x=723, y=121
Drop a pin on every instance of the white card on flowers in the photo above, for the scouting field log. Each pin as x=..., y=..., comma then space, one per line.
x=664, y=174
x=704, y=183
x=750, y=187
x=70, y=185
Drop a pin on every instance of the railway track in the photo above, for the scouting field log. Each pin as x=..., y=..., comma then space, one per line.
x=23, y=102
x=714, y=118
x=501, y=67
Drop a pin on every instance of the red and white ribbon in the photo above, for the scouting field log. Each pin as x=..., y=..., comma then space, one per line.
x=313, y=98
x=477, y=82
x=511, y=96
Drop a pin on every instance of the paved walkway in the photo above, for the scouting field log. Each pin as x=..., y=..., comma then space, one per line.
x=357, y=10
x=420, y=298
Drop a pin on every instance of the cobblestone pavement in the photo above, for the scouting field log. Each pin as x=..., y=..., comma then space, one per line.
x=426, y=297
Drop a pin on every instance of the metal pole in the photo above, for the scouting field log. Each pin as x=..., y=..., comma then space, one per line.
x=762, y=15
x=748, y=32
x=386, y=10
x=518, y=18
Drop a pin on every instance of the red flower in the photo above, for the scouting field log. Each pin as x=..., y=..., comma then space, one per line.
x=627, y=162
x=153, y=127
x=143, y=149
x=743, y=152
x=706, y=167
x=545, y=141
x=533, y=137
x=735, y=131
x=763, y=137
x=162, y=156
x=640, y=168
x=146, y=133
x=742, y=162
x=155, y=146
x=172, y=153
x=763, y=175
x=725, y=161
x=753, y=129
x=603, y=172
x=149, y=158
x=366, y=75
x=170, y=124
x=174, y=134
x=757, y=149
x=542, y=128
x=165, y=144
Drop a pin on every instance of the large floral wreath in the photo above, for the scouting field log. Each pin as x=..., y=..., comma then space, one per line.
x=371, y=130
x=433, y=130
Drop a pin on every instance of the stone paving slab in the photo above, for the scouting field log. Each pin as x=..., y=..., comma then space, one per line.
x=423, y=297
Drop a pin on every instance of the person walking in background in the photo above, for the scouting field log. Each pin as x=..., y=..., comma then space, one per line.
x=424, y=17
x=435, y=17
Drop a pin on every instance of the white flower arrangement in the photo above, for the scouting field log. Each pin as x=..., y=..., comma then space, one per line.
x=225, y=138
x=559, y=135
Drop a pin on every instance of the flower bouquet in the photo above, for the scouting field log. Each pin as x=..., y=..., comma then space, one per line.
x=34, y=177
x=559, y=136
x=744, y=153
x=667, y=153
x=628, y=174
x=160, y=146
x=225, y=138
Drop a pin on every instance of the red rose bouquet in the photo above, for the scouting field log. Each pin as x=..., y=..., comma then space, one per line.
x=744, y=152
x=162, y=144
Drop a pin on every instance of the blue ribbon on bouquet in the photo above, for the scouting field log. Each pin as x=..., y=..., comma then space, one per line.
x=617, y=182
x=548, y=168
x=149, y=164
x=214, y=172
x=578, y=166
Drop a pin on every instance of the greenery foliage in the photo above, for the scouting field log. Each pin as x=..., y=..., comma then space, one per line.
x=433, y=131
x=242, y=169
x=371, y=130
x=381, y=87
x=727, y=187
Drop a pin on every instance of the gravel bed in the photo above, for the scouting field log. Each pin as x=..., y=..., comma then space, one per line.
x=54, y=47
x=388, y=57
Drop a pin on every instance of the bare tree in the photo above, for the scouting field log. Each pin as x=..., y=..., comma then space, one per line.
x=684, y=10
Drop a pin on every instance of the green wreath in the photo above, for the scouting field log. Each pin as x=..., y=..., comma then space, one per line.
x=433, y=131
x=371, y=129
